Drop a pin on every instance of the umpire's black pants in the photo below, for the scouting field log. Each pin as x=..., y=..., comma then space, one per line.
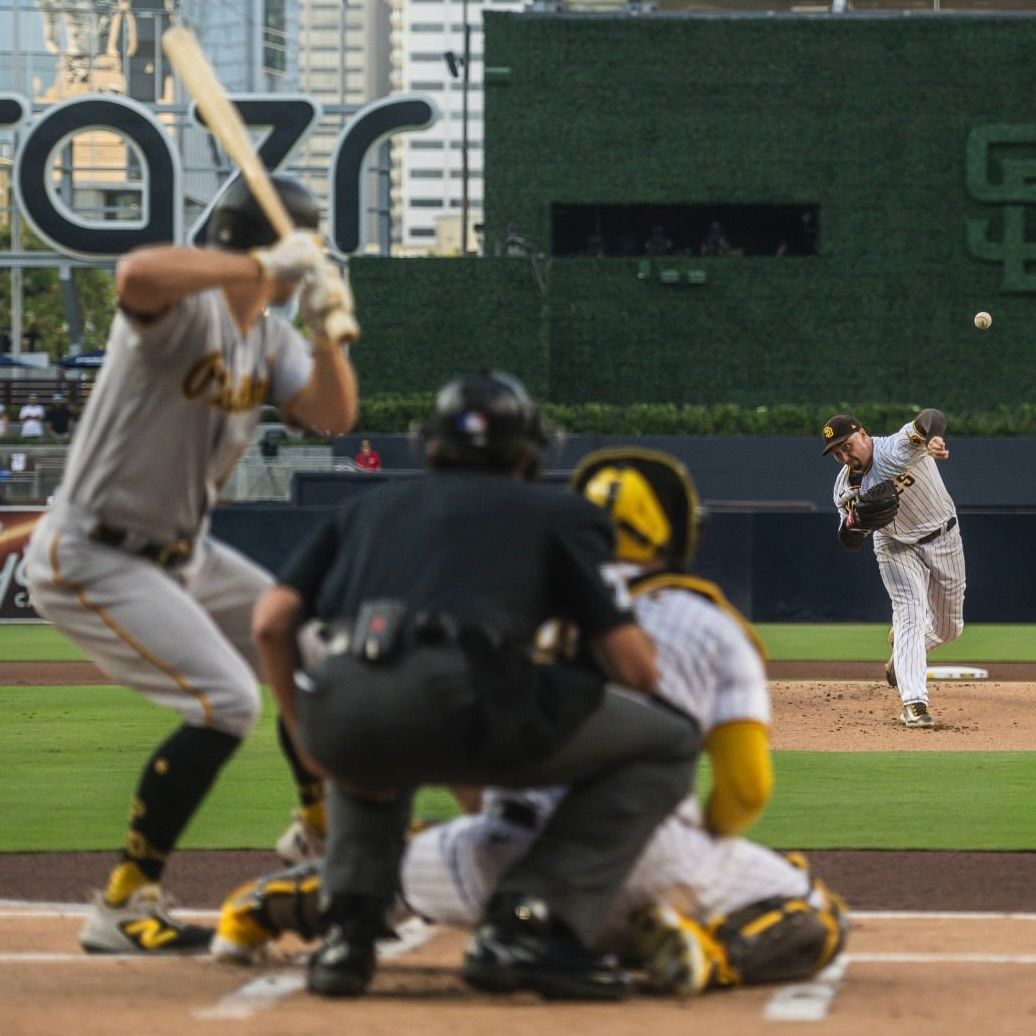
x=627, y=764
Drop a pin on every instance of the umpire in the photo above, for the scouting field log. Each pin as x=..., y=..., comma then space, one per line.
x=431, y=591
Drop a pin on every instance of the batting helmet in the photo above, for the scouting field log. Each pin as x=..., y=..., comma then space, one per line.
x=238, y=224
x=651, y=498
x=484, y=420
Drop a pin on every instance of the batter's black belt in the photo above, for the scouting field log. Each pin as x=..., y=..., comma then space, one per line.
x=938, y=532
x=165, y=555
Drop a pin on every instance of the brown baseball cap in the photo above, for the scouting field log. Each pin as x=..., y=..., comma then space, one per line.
x=837, y=429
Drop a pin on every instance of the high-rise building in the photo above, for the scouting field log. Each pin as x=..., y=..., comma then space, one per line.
x=343, y=62
x=428, y=55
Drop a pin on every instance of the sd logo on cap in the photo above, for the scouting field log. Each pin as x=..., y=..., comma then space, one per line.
x=837, y=430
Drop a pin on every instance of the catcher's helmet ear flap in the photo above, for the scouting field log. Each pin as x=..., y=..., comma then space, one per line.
x=651, y=498
x=484, y=420
x=238, y=224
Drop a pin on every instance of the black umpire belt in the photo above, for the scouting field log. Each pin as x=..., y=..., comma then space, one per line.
x=938, y=532
x=165, y=555
x=385, y=627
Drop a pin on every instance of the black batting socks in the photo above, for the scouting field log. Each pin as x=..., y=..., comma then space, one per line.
x=172, y=785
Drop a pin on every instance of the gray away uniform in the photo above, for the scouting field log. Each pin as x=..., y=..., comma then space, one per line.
x=176, y=404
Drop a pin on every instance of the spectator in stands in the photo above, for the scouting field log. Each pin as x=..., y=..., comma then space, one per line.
x=516, y=244
x=59, y=418
x=715, y=242
x=658, y=243
x=31, y=416
x=368, y=459
x=3, y=421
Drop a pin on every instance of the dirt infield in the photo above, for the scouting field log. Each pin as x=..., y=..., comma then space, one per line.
x=946, y=975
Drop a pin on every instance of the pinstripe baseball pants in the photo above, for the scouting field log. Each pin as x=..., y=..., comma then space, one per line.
x=925, y=583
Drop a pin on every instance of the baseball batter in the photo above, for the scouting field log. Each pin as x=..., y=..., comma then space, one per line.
x=123, y=563
x=917, y=543
x=702, y=907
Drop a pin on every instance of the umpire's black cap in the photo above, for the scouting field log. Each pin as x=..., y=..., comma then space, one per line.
x=837, y=429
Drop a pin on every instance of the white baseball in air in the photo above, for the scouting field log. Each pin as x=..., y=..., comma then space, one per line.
x=983, y=320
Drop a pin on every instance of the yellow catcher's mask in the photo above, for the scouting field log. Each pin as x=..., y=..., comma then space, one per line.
x=650, y=497
x=643, y=530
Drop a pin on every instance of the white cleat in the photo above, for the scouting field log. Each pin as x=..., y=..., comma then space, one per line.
x=916, y=714
x=300, y=843
x=140, y=925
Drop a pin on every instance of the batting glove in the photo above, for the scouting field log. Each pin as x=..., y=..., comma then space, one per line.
x=292, y=258
x=322, y=293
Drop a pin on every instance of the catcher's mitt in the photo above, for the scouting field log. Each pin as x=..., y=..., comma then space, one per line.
x=875, y=508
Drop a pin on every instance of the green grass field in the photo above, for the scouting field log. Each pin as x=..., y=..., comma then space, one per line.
x=72, y=754
x=846, y=641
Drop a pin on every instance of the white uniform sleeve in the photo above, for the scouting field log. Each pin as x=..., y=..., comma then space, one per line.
x=843, y=492
x=708, y=669
x=894, y=454
x=741, y=692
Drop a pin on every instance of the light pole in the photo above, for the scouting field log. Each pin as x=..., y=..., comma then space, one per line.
x=461, y=68
x=464, y=136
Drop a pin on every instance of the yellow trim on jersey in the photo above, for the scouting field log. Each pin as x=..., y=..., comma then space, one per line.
x=179, y=679
x=742, y=775
x=21, y=529
x=704, y=588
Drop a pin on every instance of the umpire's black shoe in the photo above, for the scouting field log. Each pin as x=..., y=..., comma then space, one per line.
x=519, y=946
x=344, y=964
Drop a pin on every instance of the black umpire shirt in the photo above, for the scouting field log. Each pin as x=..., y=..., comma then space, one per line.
x=485, y=548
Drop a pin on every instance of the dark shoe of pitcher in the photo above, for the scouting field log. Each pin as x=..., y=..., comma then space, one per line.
x=343, y=965
x=519, y=946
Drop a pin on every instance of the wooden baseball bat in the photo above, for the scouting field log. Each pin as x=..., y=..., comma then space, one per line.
x=225, y=124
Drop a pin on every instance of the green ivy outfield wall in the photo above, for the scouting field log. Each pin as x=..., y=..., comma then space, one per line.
x=915, y=137
x=425, y=320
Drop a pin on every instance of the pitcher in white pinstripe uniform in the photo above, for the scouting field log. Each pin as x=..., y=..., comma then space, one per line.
x=920, y=553
x=702, y=908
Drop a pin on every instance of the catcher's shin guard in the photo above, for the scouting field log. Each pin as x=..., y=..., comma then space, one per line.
x=258, y=911
x=781, y=940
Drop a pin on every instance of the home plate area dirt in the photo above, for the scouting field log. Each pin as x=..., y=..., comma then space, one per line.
x=940, y=942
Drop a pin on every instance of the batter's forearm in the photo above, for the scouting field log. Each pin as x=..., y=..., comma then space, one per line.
x=328, y=402
x=150, y=280
x=930, y=423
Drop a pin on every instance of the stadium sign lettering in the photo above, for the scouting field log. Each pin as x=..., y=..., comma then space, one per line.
x=288, y=118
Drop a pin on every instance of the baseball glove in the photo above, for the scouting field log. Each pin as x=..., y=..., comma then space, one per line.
x=875, y=508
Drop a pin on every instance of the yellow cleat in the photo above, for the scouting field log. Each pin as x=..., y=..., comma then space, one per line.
x=240, y=938
x=674, y=950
